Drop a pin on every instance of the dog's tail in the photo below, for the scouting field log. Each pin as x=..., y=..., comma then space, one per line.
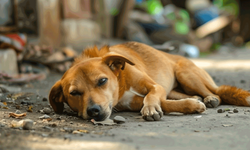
x=233, y=96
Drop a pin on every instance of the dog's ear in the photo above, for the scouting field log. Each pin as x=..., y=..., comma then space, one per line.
x=116, y=61
x=56, y=97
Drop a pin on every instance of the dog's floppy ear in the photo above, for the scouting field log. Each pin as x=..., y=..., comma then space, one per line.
x=116, y=61
x=56, y=97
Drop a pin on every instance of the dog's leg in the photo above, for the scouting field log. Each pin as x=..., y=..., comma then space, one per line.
x=151, y=109
x=186, y=106
x=195, y=81
x=179, y=95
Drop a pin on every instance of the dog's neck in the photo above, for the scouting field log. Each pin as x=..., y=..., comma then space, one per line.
x=123, y=85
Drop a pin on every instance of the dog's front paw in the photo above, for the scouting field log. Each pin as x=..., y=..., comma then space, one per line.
x=151, y=113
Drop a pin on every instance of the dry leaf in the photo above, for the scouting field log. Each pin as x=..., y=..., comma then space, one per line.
x=30, y=109
x=47, y=119
x=80, y=131
x=105, y=122
x=14, y=115
x=83, y=131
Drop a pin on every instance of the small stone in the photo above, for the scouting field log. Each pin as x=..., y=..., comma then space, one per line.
x=68, y=129
x=45, y=99
x=67, y=137
x=47, y=110
x=227, y=115
x=2, y=125
x=53, y=125
x=77, y=132
x=18, y=107
x=44, y=117
x=3, y=90
x=227, y=125
x=27, y=124
x=197, y=117
x=44, y=135
x=242, y=81
x=47, y=128
x=220, y=111
x=41, y=111
x=230, y=112
x=235, y=111
x=2, y=105
x=71, y=122
x=26, y=103
x=18, y=112
x=119, y=119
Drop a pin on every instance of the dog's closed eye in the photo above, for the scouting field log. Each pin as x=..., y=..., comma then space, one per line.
x=102, y=81
x=75, y=93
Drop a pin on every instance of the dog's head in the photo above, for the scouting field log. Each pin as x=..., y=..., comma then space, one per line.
x=90, y=87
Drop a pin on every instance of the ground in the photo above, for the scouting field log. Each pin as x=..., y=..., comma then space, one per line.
x=209, y=130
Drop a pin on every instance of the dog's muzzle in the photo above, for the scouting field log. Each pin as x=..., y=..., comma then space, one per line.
x=96, y=112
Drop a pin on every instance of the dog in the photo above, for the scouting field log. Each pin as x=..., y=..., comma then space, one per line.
x=136, y=77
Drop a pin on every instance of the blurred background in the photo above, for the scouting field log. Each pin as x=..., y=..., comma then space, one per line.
x=42, y=35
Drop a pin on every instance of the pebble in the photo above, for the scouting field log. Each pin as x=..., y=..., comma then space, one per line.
x=45, y=99
x=2, y=105
x=48, y=128
x=3, y=90
x=26, y=103
x=230, y=112
x=235, y=111
x=119, y=119
x=44, y=135
x=220, y=111
x=67, y=137
x=197, y=117
x=227, y=125
x=77, y=132
x=53, y=125
x=27, y=124
x=2, y=125
x=44, y=117
x=18, y=112
x=47, y=110
x=68, y=129
x=242, y=81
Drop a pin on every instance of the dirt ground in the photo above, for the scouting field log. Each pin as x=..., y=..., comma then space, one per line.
x=209, y=130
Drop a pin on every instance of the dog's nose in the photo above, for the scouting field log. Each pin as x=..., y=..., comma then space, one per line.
x=94, y=111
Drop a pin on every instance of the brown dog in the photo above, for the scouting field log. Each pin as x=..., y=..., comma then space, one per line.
x=137, y=77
